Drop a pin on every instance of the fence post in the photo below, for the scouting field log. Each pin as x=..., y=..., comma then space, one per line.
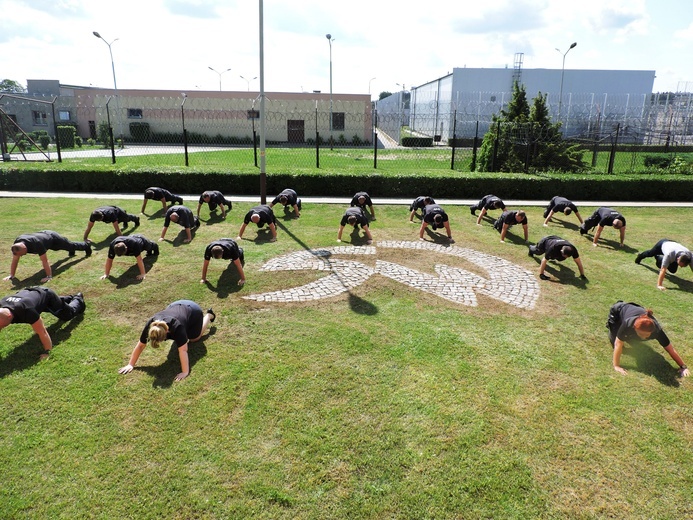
x=317, y=138
x=614, y=142
x=110, y=130
x=185, y=132
x=375, y=140
x=454, y=139
x=475, y=146
x=55, y=129
x=495, y=148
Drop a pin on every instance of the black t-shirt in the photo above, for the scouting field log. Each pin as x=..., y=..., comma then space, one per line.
x=177, y=318
x=553, y=246
x=265, y=212
x=357, y=212
x=608, y=215
x=185, y=216
x=135, y=244
x=355, y=199
x=420, y=203
x=158, y=194
x=229, y=247
x=430, y=211
x=215, y=197
x=626, y=332
x=560, y=203
x=36, y=243
x=110, y=214
x=492, y=202
x=510, y=218
x=26, y=305
x=291, y=197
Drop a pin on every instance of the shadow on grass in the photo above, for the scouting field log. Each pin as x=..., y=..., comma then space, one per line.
x=22, y=357
x=564, y=274
x=651, y=362
x=215, y=217
x=566, y=224
x=227, y=283
x=165, y=374
x=57, y=268
x=129, y=277
x=264, y=234
x=681, y=284
x=436, y=237
x=515, y=239
x=289, y=213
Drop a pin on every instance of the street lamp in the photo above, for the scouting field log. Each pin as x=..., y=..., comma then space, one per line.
x=248, y=81
x=220, y=73
x=115, y=85
x=369, y=86
x=560, y=95
x=330, y=39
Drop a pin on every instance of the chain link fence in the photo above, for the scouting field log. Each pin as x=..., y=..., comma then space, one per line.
x=617, y=134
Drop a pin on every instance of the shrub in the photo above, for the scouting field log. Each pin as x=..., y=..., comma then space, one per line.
x=91, y=142
x=657, y=161
x=140, y=132
x=66, y=136
x=45, y=141
x=420, y=142
x=104, y=134
x=356, y=140
x=78, y=141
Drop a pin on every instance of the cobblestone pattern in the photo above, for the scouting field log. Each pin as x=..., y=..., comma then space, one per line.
x=507, y=282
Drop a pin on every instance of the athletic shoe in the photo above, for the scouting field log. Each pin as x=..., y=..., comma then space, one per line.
x=211, y=312
x=544, y=277
x=87, y=250
x=125, y=225
x=473, y=211
x=529, y=253
x=137, y=221
x=298, y=203
x=582, y=230
x=241, y=256
x=638, y=258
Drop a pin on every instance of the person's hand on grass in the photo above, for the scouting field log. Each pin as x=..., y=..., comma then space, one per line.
x=181, y=376
x=621, y=370
x=125, y=370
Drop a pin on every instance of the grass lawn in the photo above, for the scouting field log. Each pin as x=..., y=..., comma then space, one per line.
x=382, y=402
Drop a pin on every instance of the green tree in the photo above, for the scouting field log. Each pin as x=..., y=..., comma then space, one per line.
x=384, y=94
x=523, y=138
x=11, y=86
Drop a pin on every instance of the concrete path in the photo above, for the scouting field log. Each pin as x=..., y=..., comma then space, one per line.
x=342, y=200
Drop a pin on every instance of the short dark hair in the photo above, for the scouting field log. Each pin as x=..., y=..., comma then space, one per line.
x=567, y=211
x=148, y=194
x=120, y=248
x=97, y=215
x=351, y=219
x=567, y=251
x=217, y=252
x=283, y=200
x=684, y=258
x=437, y=218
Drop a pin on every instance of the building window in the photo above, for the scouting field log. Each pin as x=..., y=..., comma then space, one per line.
x=40, y=118
x=134, y=113
x=338, y=121
x=64, y=115
x=253, y=114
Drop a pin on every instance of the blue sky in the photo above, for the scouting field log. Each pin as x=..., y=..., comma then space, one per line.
x=378, y=44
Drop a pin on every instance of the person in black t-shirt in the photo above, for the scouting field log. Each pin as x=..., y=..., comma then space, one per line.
x=110, y=215
x=604, y=217
x=184, y=322
x=182, y=216
x=419, y=203
x=510, y=218
x=224, y=249
x=213, y=199
x=361, y=199
x=260, y=215
x=434, y=215
x=488, y=202
x=38, y=244
x=289, y=199
x=629, y=322
x=27, y=305
x=555, y=248
x=160, y=194
x=132, y=245
x=560, y=204
x=355, y=216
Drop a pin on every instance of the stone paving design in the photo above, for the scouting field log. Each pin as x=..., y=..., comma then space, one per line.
x=506, y=282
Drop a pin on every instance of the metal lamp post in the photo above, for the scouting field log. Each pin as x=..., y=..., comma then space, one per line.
x=219, y=73
x=560, y=95
x=330, y=40
x=369, y=86
x=248, y=81
x=115, y=85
